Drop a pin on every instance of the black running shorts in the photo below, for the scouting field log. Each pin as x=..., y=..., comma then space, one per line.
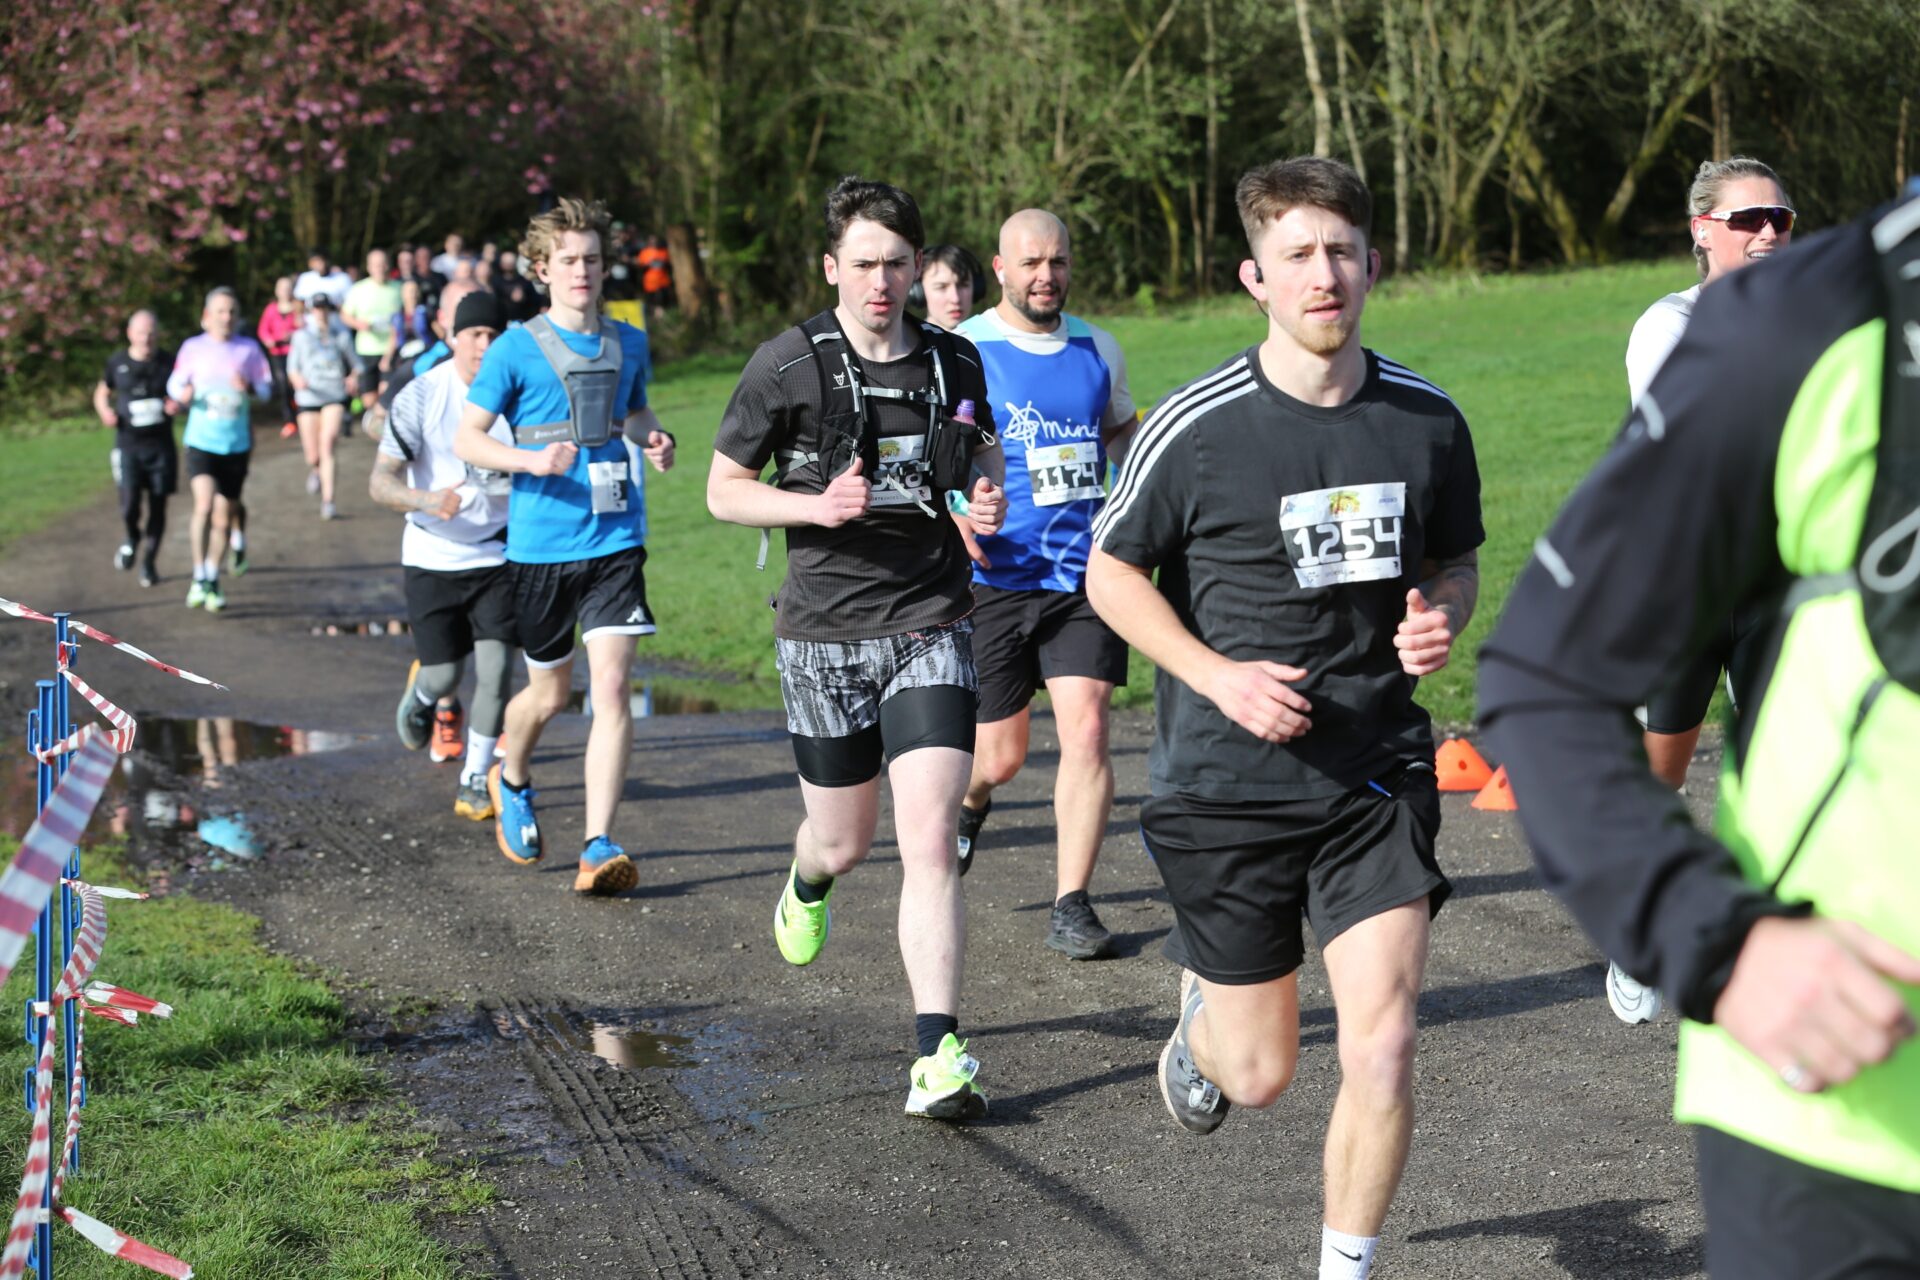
x=1021, y=639
x=1771, y=1218
x=1242, y=873
x=449, y=611
x=603, y=596
x=229, y=470
x=150, y=464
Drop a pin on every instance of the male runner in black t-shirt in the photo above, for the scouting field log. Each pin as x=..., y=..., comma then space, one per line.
x=132, y=399
x=1313, y=510
x=872, y=635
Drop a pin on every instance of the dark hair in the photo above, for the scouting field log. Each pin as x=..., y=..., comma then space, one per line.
x=955, y=259
x=879, y=202
x=1265, y=194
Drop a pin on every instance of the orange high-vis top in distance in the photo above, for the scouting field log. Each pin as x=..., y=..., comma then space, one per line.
x=655, y=271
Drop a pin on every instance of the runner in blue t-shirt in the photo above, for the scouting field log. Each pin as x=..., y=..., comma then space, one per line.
x=576, y=524
x=1058, y=387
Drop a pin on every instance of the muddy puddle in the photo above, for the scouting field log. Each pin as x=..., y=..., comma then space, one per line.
x=166, y=791
x=631, y=1047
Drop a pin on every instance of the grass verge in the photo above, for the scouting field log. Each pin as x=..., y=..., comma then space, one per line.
x=242, y=1134
x=51, y=467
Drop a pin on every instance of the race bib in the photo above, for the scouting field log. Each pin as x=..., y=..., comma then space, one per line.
x=902, y=478
x=1350, y=534
x=1063, y=473
x=609, y=482
x=150, y=412
x=226, y=403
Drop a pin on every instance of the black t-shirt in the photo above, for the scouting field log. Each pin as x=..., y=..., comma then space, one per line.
x=139, y=390
x=896, y=568
x=1292, y=532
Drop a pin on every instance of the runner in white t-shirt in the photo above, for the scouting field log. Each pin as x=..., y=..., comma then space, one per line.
x=459, y=593
x=1739, y=215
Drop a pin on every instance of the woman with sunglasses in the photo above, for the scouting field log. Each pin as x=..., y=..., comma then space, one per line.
x=1739, y=214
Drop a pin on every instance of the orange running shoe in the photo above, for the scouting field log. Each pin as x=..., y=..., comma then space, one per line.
x=449, y=733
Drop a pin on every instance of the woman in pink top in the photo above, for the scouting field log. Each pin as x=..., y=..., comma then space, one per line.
x=279, y=320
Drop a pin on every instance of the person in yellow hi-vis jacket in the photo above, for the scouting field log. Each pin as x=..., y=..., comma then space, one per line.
x=1772, y=465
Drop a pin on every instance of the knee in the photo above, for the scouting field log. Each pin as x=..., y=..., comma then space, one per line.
x=1380, y=1060
x=996, y=765
x=1257, y=1079
x=1085, y=741
x=612, y=696
x=545, y=699
x=835, y=852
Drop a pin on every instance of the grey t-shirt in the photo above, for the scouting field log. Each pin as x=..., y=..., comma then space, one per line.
x=1291, y=532
x=896, y=568
x=324, y=361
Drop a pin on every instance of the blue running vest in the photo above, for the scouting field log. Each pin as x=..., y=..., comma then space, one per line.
x=1048, y=409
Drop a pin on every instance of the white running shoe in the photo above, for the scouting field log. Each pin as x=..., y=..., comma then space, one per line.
x=1632, y=1001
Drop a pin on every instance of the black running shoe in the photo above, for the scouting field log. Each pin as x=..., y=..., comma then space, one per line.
x=1076, y=932
x=971, y=821
x=123, y=558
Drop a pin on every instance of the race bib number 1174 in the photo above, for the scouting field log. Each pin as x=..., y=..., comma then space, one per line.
x=1350, y=534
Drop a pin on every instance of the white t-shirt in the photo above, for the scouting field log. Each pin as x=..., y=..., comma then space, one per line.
x=334, y=285
x=420, y=431
x=1654, y=335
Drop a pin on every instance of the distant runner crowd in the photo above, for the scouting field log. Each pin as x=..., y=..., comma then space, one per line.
x=974, y=512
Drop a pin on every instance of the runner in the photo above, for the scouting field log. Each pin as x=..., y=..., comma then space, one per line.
x=1768, y=465
x=1059, y=387
x=459, y=590
x=872, y=637
x=1739, y=214
x=369, y=310
x=949, y=285
x=279, y=320
x=321, y=367
x=404, y=371
x=213, y=375
x=132, y=399
x=576, y=533
x=321, y=276
x=1313, y=509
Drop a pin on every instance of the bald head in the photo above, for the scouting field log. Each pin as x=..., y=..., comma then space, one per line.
x=1034, y=267
x=1031, y=223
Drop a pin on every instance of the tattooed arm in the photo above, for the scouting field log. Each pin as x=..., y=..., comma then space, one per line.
x=1438, y=610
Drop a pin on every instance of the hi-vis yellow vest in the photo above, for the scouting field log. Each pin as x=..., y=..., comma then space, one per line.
x=1824, y=805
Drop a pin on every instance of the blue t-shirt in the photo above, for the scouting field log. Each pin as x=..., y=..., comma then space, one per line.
x=550, y=519
x=1049, y=409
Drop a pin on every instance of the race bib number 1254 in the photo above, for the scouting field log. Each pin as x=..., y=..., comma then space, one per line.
x=1349, y=534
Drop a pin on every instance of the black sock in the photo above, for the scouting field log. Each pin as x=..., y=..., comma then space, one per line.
x=1064, y=898
x=931, y=1028
x=807, y=891
x=513, y=786
x=969, y=814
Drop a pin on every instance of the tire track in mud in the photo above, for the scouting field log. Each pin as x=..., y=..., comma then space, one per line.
x=644, y=1134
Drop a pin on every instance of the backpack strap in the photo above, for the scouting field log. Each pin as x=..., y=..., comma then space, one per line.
x=1889, y=565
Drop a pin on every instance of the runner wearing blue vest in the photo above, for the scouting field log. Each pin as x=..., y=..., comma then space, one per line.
x=570, y=384
x=1058, y=386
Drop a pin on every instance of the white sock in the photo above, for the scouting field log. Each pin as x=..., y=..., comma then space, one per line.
x=479, y=756
x=238, y=541
x=209, y=570
x=1345, y=1257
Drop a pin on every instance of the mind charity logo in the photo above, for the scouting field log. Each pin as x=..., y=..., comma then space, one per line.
x=1026, y=425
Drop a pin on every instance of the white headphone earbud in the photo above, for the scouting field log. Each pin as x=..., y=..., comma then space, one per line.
x=1000, y=275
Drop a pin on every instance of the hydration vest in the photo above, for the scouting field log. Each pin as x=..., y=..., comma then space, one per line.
x=1816, y=797
x=591, y=384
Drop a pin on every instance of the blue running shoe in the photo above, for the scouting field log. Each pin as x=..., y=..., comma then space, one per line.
x=605, y=868
x=514, y=823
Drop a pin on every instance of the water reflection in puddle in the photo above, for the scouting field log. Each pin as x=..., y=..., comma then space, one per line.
x=632, y=1048
x=145, y=796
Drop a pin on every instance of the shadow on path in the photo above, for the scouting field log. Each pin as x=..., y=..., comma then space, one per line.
x=1597, y=1241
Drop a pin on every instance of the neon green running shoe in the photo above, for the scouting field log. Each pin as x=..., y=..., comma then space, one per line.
x=801, y=928
x=943, y=1084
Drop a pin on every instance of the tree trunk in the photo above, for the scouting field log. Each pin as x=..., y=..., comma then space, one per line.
x=1537, y=187
x=690, y=286
x=1397, y=129
x=1210, y=216
x=1653, y=145
x=1355, y=156
x=1900, y=145
x=1322, y=113
x=1170, y=285
x=1722, y=120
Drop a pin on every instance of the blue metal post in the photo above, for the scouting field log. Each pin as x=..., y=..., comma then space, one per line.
x=69, y=900
x=42, y=736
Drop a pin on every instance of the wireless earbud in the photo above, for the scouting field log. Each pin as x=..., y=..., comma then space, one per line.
x=999, y=275
x=1258, y=278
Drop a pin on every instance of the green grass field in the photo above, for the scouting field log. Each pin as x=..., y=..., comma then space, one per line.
x=241, y=1134
x=1535, y=363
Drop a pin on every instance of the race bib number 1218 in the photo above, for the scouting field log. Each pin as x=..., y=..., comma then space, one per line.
x=1350, y=534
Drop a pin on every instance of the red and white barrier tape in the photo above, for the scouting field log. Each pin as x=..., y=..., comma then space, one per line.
x=19, y=610
x=26, y=1210
x=125, y=1247
x=124, y=725
x=42, y=859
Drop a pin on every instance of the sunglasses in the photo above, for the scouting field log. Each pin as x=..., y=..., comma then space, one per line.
x=1749, y=220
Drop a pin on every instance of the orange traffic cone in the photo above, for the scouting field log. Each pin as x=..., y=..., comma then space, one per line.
x=1460, y=767
x=1497, y=794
